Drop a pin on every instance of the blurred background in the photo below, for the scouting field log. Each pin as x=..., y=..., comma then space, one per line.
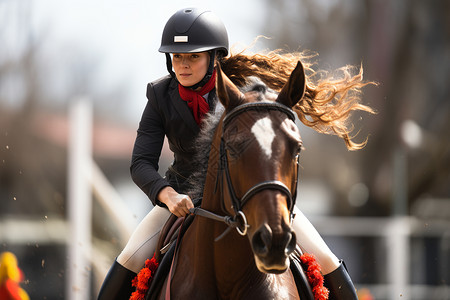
x=73, y=77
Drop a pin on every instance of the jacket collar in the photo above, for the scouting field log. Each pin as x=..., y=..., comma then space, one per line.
x=182, y=107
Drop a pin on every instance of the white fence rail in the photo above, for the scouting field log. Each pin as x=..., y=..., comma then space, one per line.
x=79, y=200
x=396, y=232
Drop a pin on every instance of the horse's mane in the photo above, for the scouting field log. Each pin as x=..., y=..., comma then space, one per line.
x=203, y=146
x=329, y=100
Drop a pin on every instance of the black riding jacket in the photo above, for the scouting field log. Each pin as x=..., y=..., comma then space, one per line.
x=165, y=114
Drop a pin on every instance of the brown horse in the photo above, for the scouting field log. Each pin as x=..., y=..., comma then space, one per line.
x=251, y=177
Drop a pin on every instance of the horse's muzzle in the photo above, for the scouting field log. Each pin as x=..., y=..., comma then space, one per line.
x=272, y=250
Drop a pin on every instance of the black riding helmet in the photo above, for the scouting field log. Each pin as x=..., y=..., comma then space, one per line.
x=193, y=30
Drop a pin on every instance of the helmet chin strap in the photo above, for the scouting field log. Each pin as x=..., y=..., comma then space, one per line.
x=169, y=66
x=206, y=78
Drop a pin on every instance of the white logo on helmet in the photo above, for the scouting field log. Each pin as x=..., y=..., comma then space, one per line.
x=180, y=39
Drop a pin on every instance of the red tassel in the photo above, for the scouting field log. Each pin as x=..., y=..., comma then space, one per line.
x=315, y=277
x=143, y=279
x=152, y=264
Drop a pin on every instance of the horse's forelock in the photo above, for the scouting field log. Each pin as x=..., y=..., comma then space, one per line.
x=254, y=84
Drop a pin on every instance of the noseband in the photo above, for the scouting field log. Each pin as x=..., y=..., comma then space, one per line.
x=239, y=220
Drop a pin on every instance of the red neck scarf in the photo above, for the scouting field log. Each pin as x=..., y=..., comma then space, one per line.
x=195, y=99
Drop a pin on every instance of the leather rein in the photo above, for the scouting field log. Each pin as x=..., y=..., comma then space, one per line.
x=239, y=221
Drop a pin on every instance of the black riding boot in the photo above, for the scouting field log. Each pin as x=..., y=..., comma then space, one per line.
x=117, y=284
x=340, y=284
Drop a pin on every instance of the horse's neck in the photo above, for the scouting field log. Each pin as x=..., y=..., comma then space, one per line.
x=228, y=262
x=207, y=269
x=236, y=274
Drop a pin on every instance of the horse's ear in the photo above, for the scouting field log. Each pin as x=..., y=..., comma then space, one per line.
x=294, y=89
x=229, y=95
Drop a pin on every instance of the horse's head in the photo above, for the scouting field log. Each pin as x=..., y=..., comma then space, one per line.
x=259, y=151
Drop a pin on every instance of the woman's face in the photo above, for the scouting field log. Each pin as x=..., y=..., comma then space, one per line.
x=190, y=68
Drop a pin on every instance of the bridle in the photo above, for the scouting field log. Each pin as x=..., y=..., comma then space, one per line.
x=239, y=220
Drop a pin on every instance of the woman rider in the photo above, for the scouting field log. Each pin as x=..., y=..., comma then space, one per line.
x=193, y=41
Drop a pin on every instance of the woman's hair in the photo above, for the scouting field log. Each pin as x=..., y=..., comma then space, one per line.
x=328, y=101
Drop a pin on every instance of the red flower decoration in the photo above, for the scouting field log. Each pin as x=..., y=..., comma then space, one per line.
x=315, y=277
x=143, y=280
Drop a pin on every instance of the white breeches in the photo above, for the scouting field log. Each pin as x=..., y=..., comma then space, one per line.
x=142, y=243
x=311, y=242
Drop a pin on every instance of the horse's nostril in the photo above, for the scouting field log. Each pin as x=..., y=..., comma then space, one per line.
x=262, y=240
x=290, y=247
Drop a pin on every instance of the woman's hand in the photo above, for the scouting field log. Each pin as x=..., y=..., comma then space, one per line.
x=178, y=204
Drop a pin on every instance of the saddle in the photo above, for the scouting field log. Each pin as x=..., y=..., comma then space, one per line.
x=167, y=236
x=170, y=236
